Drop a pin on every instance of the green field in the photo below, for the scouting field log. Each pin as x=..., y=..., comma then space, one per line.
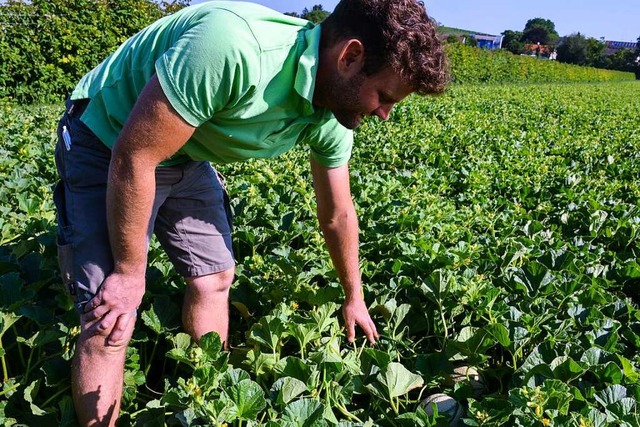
x=499, y=229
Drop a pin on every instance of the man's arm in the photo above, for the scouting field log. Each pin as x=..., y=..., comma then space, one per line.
x=339, y=224
x=153, y=132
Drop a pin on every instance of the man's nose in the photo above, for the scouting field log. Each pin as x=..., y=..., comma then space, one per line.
x=383, y=111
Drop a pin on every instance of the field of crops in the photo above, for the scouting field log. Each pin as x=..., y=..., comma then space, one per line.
x=499, y=230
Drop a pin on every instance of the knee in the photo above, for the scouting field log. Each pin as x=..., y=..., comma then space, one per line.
x=92, y=345
x=211, y=284
x=94, y=342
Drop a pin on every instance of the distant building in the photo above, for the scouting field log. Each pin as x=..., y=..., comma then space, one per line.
x=614, y=46
x=486, y=41
x=539, y=50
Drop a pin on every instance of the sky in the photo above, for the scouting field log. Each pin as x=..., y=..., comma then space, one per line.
x=618, y=20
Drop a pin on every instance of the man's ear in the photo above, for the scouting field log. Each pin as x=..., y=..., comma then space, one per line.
x=351, y=58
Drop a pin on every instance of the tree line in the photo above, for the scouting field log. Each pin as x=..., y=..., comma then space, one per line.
x=572, y=49
x=46, y=46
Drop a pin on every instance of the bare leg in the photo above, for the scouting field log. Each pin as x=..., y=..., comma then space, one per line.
x=206, y=305
x=97, y=378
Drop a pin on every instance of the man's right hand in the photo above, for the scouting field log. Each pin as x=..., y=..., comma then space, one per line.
x=114, y=306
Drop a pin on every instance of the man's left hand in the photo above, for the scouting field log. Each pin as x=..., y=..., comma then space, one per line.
x=355, y=312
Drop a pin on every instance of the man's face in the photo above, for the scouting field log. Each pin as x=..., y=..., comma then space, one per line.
x=351, y=99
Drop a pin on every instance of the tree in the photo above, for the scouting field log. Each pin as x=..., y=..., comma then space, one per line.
x=595, y=53
x=539, y=30
x=573, y=49
x=512, y=41
x=622, y=60
x=316, y=15
x=47, y=45
x=470, y=41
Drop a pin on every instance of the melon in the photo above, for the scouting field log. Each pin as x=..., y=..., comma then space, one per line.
x=446, y=405
x=467, y=374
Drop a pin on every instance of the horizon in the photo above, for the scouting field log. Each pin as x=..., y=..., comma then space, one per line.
x=590, y=18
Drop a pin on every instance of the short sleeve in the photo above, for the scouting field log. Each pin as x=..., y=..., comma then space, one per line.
x=330, y=143
x=213, y=63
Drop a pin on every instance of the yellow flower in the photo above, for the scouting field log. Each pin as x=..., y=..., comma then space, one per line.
x=546, y=421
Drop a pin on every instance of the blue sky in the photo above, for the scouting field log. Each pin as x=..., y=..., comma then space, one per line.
x=615, y=20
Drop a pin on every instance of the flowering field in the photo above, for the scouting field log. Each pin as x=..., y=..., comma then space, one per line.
x=499, y=231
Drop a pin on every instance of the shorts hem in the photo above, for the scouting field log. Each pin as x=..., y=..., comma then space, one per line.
x=205, y=271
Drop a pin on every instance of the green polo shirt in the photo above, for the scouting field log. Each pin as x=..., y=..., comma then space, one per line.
x=241, y=73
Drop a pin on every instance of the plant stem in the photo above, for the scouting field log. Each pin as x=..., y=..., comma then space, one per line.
x=10, y=389
x=346, y=412
x=58, y=393
x=444, y=324
x=393, y=406
x=27, y=371
x=20, y=352
x=5, y=372
x=149, y=361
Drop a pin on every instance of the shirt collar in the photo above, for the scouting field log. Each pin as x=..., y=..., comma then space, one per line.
x=307, y=68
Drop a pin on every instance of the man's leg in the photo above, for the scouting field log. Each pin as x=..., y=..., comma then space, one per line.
x=97, y=378
x=194, y=227
x=206, y=305
x=85, y=260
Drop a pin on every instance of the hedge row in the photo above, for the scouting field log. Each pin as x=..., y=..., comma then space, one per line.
x=473, y=65
x=47, y=45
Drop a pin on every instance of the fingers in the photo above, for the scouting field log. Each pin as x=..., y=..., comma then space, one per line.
x=121, y=328
x=351, y=331
x=96, y=313
x=370, y=331
x=93, y=303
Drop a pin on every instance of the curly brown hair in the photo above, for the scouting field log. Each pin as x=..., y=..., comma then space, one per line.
x=396, y=33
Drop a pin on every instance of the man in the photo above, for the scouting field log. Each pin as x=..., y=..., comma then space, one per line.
x=217, y=82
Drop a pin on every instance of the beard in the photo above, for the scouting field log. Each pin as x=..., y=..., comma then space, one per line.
x=344, y=97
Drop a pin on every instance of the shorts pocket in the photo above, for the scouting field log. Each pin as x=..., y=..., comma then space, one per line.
x=65, y=261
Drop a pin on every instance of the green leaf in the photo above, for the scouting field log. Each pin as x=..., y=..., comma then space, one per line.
x=558, y=395
x=248, y=399
x=324, y=317
x=294, y=367
x=611, y=394
x=398, y=380
x=150, y=318
x=11, y=286
x=268, y=332
x=161, y=317
x=304, y=413
x=210, y=344
x=286, y=389
x=566, y=369
x=303, y=334
x=151, y=416
x=180, y=355
x=6, y=321
x=629, y=370
x=67, y=413
x=182, y=340
x=500, y=333
x=56, y=370
x=609, y=373
x=30, y=393
x=374, y=360
x=233, y=377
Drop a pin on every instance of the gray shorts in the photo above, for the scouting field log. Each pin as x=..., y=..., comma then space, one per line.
x=191, y=216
